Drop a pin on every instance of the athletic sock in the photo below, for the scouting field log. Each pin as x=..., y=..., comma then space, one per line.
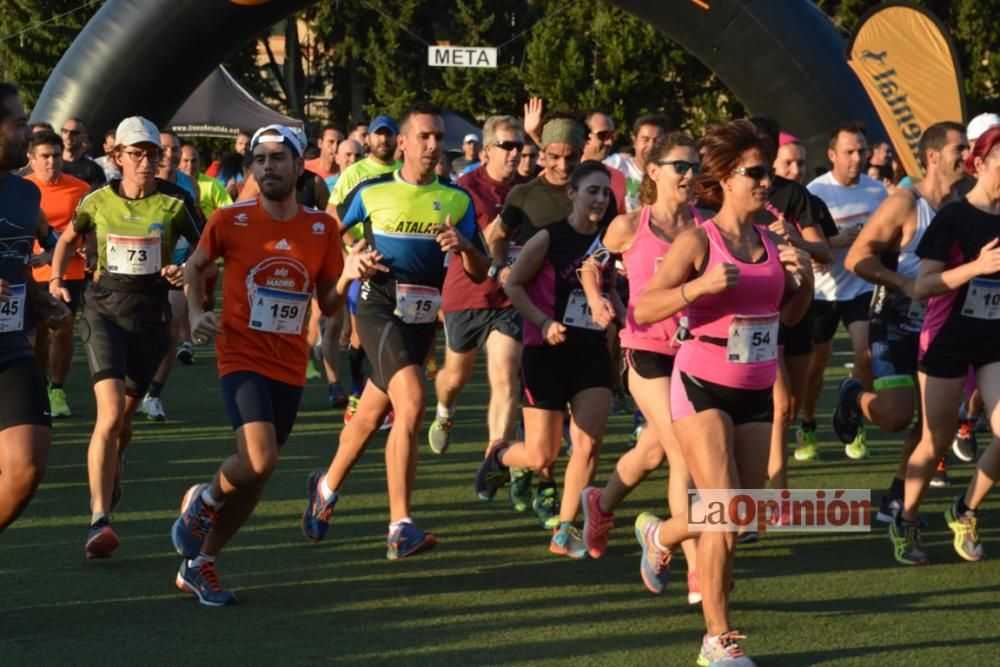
x=656, y=540
x=201, y=559
x=155, y=389
x=97, y=516
x=808, y=426
x=355, y=359
x=206, y=495
x=444, y=412
x=896, y=488
x=961, y=508
x=393, y=525
x=56, y=385
x=325, y=490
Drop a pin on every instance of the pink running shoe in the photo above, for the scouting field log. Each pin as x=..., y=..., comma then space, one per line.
x=596, y=524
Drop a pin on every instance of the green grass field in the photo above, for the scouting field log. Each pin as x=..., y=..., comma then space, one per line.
x=491, y=593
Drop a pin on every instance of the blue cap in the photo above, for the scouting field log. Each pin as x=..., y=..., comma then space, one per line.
x=383, y=123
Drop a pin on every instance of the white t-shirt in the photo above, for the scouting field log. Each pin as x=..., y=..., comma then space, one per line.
x=850, y=206
x=633, y=178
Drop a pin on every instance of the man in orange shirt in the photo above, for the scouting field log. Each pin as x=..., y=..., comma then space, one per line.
x=276, y=252
x=60, y=195
x=326, y=165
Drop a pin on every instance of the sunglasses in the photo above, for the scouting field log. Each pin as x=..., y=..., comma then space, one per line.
x=757, y=172
x=509, y=145
x=681, y=167
x=604, y=135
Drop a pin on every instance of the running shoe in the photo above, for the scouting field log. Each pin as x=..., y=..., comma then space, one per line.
x=57, y=403
x=905, y=538
x=888, y=508
x=724, y=651
x=316, y=518
x=116, y=485
x=185, y=353
x=655, y=564
x=203, y=582
x=492, y=474
x=966, y=542
x=519, y=490
x=439, y=435
x=749, y=537
x=808, y=449
x=847, y=415
x=408, y=540
x=596, y=524
x=431, y=369
x=152, y=407
x=389, y=420
x=312, y=373
x=547, y=506
x=101, y=539
x=567, y=541
x=694, y=588
x=192, y=525
x=964, y=445
x=858, y=448
x=335, y=395
x=352, y=407
x=940, y=479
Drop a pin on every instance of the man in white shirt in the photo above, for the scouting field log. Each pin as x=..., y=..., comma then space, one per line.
x=841, y=296
x=645, y=131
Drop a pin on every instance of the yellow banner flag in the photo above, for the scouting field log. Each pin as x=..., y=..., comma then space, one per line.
x=908, y=66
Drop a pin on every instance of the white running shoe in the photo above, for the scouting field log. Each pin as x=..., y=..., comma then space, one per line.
x=152, y=406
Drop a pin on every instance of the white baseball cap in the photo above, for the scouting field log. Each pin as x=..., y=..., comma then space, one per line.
x=981, y=123
x=471, y=137
x=278, y=134
x=137, y=130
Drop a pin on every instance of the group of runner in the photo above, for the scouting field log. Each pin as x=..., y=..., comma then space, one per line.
x=705, y=265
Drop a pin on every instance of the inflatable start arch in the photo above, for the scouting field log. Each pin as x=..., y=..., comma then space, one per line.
x=779, y=58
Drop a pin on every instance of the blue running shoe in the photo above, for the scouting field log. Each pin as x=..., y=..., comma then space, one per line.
x=492, y=475
x=567, y=541
x=101, y=539
x=336, y=396
x=203, y=583
x=520, y=489
x=316, y=518
x=655, y=565
x=196, y=518
x=847, y=415
x=408, y=540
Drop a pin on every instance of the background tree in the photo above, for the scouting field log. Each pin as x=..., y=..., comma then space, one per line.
x=29, y=57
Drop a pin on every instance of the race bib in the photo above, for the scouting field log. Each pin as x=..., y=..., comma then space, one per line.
x=752, y=339
x=12, y=310
x=577, y=312
x=417, y=304
x=133, y=255
x=278, y=311
x=982, y=301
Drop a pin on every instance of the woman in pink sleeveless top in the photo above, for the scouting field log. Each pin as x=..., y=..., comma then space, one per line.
x=735, y=280
x=642, y=238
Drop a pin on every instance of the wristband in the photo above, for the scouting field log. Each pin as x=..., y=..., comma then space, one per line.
x=684, y=296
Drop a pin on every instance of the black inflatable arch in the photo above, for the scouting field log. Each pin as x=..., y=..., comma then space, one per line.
x=146, y=56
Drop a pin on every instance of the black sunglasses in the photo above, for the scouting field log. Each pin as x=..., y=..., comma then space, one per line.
x=604, y=135
x=757, y=172
x=681, y=167
x=509, y=145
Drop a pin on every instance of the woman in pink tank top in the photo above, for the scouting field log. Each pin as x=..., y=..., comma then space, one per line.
x=735, y=280
x=642, y=239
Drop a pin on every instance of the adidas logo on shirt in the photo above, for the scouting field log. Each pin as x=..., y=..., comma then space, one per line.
x=282, y=245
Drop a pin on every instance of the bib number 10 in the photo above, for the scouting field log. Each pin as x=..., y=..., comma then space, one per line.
x=982, y=301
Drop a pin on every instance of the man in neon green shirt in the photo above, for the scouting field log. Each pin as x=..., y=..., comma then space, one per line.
x=212, y=194
x=381, y=149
